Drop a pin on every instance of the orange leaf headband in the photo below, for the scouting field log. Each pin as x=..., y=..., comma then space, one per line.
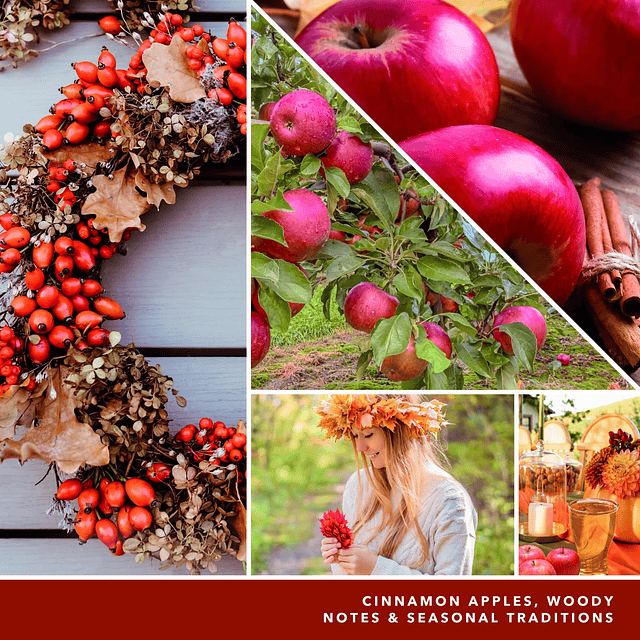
x=342, y=413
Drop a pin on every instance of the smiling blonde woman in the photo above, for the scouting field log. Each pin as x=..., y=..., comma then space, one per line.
x=408, y=515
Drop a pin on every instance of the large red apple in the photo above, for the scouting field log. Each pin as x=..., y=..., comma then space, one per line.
x=303, y=122
x=366, y=303
x=581, y=58
x=306, y=228
x=516, y=192
x=536, y=567
x=565, y=561
x=528, y=316
x=260, y=338
x=529, y=552
x=412, y=65
x=349, y=153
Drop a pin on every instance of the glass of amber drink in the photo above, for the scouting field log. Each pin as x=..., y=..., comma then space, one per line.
x=593, y=523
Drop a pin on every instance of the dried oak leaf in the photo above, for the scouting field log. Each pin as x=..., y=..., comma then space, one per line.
x=168, y=66
x=116, y=203
x=239, y=524
x=155, y=193
x=17, y=408
x=90, y=154
x=58, y=436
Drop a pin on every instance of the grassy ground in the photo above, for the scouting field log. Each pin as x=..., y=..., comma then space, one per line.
x=320, y=354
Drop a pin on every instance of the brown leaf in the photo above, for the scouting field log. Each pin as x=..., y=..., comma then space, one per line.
x=17, y=408
x=58, y=436
x=89, y=153
x=239, y=524
x=155, y=193
x=168, y=66
x=116, y=203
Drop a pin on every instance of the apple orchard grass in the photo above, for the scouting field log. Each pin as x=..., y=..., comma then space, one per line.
x=319, y=354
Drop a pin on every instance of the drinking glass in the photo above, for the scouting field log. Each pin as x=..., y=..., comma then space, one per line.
x=593, y=523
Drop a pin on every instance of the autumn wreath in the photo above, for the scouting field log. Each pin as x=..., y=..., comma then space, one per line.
x=72, y=190
x=23, y=21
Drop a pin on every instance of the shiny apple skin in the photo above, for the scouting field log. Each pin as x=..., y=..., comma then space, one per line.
x=516, y=192
x=435, y=68
x=581, y=58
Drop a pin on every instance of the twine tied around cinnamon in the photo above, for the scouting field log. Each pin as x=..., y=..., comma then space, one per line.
x=610, y=258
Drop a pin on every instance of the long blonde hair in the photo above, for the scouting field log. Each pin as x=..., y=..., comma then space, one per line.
x=398, y=487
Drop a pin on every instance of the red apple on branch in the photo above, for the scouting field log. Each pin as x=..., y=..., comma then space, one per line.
x=407, y=365
x=516, y=192
x=566, y=562
x=581, y=58
x=528, y=316
x=260, y=338
x=306, y=228
x=303, y=122
x=412, y=65
x=366, y=303
x=349, y=153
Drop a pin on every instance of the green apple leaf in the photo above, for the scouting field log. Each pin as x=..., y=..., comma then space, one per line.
x=282, y=277
x=337, y=179
x=262, y=227
x=310, y=165
x=342, y=265
x=379, y=191
x=461, y=323
x=390, y=336
x=258, y=134
x=409, y=283
x=506, y=376
x=277, y=309
x=429, y=351
x=363, y=363
x=523, y=343
x=277, y=203
x=471, y=356
x=443, y=269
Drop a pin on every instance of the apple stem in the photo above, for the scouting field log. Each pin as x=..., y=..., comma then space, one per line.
x=362, y=38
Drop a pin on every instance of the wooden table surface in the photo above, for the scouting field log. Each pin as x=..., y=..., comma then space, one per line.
x=584, y=153
x=182, y=285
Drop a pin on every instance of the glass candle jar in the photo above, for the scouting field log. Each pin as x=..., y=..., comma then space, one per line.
x=542, y=496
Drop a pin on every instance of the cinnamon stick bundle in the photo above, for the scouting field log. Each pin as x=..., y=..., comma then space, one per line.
x=630, y=287
x=595, y=220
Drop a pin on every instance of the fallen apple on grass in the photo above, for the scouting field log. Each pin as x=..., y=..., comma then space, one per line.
x=564, y=359
x=411, y=65
x=516, y=192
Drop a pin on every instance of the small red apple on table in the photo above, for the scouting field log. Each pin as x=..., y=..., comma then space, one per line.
x=529, y=552
x=536, y=567
x=565, y=561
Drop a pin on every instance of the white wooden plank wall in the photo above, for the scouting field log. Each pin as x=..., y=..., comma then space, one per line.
x=182, y=285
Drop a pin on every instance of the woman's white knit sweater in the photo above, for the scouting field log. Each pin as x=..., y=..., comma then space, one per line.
x=447, y=519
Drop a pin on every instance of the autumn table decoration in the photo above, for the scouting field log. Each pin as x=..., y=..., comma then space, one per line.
x=613, y=473
x=73, y=188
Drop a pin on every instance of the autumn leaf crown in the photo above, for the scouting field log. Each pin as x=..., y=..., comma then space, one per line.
x=342, y=413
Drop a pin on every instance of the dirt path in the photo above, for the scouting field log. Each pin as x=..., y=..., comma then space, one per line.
x=291, y=561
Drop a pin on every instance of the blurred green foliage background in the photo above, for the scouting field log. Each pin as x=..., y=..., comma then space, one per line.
x=296, y=475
